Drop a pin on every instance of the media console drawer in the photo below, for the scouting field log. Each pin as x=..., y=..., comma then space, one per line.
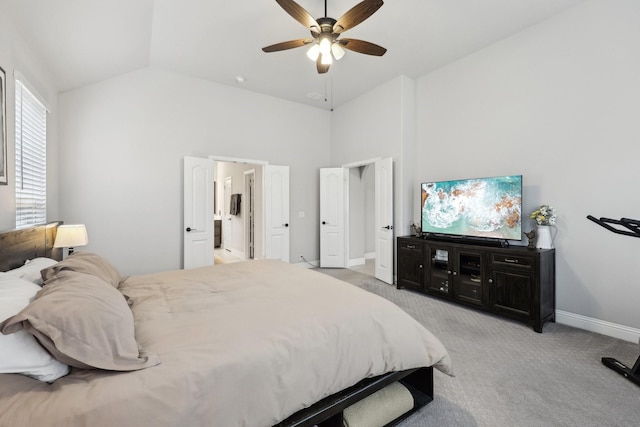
x=519, y=261
x=410, y=246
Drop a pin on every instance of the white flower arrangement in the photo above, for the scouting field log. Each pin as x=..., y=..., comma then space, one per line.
x=545, y=215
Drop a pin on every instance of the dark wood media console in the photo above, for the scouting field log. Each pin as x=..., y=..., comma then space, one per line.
x=516, y=282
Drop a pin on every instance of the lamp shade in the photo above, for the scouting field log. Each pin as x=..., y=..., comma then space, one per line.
x=337, y=51
x=69, y=236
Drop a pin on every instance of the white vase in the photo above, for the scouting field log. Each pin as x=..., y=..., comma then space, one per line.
x=544, y=238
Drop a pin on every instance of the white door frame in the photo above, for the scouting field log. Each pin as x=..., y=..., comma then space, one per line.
x=249, y=218
x=227, y=228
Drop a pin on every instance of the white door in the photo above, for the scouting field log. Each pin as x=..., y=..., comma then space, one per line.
x=384, y=219
x=226, y=215
x=276, y=212
x=198, y=227
x=333, y=251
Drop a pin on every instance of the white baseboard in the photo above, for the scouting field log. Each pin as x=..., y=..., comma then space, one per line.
x=362, y=261
x=598, y=326
x=237, y=253
x=356, y=261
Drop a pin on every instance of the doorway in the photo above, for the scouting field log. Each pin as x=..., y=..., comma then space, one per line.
x=343, y=208
x=361, y=200
x=270, y=208
x=241, y=214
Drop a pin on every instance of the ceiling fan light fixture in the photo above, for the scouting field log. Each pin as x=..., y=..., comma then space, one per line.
x=313, y=52
x=337, y=51
x=325, y=31
x=325, y=45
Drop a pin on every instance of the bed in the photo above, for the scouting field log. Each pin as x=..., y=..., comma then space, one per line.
x=256, y=343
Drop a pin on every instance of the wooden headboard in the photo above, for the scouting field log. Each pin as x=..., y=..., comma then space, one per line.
x=17, y=246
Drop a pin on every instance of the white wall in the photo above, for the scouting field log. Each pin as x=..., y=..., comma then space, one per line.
x=380, y=123
x=558, y=103
x=15, y=56
x=123, y=144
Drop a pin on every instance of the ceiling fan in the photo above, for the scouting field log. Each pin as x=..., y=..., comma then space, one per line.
x=325, y=45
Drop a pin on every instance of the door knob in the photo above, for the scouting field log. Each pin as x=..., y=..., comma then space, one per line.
x=189, y=229
x=324, y=222
x=388, y=227
x=286, y=225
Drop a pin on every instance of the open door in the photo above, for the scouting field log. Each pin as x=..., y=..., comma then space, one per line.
x=198, y=227
x=384, y=219
x=276, y=212
x=333, y=248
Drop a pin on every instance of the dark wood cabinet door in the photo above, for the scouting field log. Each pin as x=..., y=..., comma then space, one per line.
x=412, y=271
x=512, y=292
x=410, y=264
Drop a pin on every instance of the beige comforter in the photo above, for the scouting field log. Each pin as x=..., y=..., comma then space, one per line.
x=244, y=344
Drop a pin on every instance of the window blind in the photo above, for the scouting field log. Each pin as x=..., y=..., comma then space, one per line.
x=31, y=158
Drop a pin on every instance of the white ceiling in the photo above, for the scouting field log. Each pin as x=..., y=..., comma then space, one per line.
x=85, y=41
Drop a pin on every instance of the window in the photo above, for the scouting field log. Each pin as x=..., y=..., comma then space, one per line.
x=31, y=158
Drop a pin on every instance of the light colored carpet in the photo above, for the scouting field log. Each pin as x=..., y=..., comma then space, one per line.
x=508, y=375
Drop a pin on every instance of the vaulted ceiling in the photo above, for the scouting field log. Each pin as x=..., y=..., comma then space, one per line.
x=85, y=41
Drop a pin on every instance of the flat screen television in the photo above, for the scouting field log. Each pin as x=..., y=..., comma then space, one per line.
x=478, y=208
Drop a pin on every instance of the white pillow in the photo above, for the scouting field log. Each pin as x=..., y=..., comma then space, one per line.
x=31, y=270
x=20, y=352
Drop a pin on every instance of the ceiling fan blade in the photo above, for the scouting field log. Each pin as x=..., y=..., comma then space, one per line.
x=299, y=14
x=362, y=46
x=356, y=15
x=322, y=68
x=287, y=45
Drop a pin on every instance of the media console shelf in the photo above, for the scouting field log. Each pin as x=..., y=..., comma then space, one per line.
x=516, y=281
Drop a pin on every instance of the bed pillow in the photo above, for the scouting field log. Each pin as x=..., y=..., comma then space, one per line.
x=86, y=262
x=31, y=270
x=20, y=353
x=83, y=322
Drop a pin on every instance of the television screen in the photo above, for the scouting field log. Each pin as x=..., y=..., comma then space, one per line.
x=482, y=207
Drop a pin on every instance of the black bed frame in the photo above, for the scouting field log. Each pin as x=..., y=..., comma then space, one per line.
x=328, y=411
x=17, y=246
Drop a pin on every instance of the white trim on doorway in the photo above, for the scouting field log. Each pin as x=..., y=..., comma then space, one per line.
x=237, y=160
x=361, y=163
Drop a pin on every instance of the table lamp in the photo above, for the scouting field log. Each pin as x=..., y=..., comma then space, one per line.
x=70, y=236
